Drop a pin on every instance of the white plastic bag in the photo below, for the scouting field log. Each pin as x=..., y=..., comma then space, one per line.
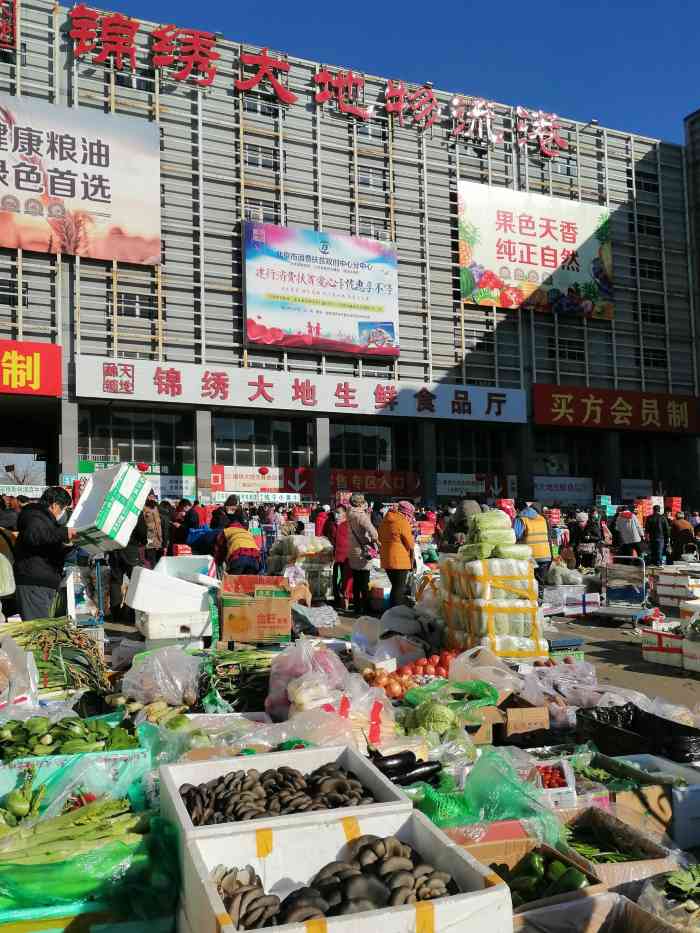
x=168, y=674
x=306, y=656
x=481, y=664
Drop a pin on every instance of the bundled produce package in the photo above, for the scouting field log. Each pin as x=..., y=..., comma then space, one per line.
x=495, y=578
x=299, y=549
x=492, y=603
x=513, y=551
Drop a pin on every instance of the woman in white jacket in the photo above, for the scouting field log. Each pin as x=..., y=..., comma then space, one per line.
x=630, y=534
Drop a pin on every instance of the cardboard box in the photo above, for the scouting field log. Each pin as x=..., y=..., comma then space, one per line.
x=513, y=851
x=521, y=716
x=108, y=508
x=656, y=860
x=603, y=913
x=257, y=610
x=287, y=859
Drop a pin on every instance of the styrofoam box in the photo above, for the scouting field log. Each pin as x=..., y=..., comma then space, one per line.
x=186, y=566
x=691, y=654
x=158, y=625
x=389, y=797
x=114, y=529
x=155, y=592
x=290, y=859
x=680, y=590
x=685, y=827
x=689, y=608
x=662, y=648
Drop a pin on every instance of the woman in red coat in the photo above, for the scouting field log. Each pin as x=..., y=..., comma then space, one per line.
x=337, y=531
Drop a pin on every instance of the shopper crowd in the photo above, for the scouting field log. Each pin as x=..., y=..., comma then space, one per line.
x=35, y=539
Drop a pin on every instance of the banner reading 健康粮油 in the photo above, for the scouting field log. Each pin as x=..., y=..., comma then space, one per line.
x=79, y=181
x=324, y=292
x=524, y=250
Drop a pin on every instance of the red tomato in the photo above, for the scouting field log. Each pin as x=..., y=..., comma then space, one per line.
x=434, y=658
x=445, y=658
x=406, y=669
x=441, y=671
x=421, y=662
x=429, y=670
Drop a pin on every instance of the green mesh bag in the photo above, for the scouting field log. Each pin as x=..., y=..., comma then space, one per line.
x=461, y=696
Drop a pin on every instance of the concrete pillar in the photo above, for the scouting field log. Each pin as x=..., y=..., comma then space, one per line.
x=524, y=444
x=610, y=472
x=68, y=438
x=323, y=460
x=203, y=447
x=427, y=447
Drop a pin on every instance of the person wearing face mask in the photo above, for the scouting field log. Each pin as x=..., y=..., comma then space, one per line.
x=337, y=531
x=40, y=552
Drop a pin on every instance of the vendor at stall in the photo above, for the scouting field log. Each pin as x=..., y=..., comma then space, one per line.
x=236, y=550
x=40, y=552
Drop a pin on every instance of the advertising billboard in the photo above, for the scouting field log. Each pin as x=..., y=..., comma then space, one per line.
x=29, y=368
x=79, y=181
x=324, y=292
x=617, y=409
x=523, y=250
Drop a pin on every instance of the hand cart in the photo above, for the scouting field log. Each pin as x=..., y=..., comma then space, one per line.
x=624, y=590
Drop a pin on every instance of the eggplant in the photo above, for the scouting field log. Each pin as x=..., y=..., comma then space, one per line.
x=424, y=771
x=401, y=761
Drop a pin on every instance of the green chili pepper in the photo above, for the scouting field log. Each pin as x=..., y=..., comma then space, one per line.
x=555, y=870
x=534, y=865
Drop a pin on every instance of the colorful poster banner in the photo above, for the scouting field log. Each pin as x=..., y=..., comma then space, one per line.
x=577, y=407
x=523, y=250
x=272, y=390
x=322, y=292
x=78, y=181
x=28, y=368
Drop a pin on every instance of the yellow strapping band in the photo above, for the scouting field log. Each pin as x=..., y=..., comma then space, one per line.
x=425, y=917
x=263, y=842
x=316, y=926
x=222, y=920
x=351, y=828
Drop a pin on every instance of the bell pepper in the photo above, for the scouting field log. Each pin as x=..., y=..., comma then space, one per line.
x=571, y=880
x=534, y=865
x=555, y=870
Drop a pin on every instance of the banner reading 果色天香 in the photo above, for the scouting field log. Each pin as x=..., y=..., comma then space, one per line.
x=79, y=181
x=523, y=250
x=324, y=292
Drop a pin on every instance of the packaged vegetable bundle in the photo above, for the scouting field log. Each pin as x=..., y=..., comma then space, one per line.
x=495, y=579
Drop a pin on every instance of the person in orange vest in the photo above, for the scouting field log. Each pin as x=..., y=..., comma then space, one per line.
x=531, y=528
x=236, y=550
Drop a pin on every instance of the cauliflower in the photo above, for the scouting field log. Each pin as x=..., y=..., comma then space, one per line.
x=434, y=716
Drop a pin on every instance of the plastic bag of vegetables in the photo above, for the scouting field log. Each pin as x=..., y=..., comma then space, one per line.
x=306, y=656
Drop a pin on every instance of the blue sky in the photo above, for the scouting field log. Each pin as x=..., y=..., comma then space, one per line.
x=631, y=65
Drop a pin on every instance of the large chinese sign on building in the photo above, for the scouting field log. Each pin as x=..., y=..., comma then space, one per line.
x=569, y=407
x=78, y=181
x=325, y=292
x=269, y=390
x=28, y=368
x=522, y=250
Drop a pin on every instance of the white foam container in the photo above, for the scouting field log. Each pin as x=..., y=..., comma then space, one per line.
x=170, y=625
x=126, y=490
x=689, y=608
x=691, y=654
x=662, y=648
x=287, y=859
x=389, y=797
x=685, y=801
x=157, y=593
x=192, y=564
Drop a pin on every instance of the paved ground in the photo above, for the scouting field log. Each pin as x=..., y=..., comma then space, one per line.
x=617, y=655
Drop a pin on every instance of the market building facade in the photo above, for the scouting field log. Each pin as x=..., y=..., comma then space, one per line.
x=264, y=273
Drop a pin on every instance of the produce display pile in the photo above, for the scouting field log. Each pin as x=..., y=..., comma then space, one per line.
x=249, y=795
x=376, y=873
x=540, y=875
x=36, y=737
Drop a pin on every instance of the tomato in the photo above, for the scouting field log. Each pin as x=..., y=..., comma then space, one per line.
x=429, y=670
x=434, y=658
x=406, y=669
x=421, y=662
x=445, y=659
x=441, y=671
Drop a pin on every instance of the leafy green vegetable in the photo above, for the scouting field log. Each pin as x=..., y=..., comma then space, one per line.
x=687, y=881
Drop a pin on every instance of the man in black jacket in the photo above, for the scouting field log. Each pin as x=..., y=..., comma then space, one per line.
x=659, y=532
x=40, y=552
